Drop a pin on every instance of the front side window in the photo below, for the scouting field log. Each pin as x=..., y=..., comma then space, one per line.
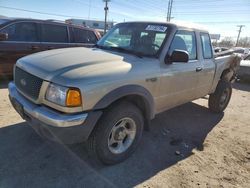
x=141, y=38
x=54, y=33
x=84, y=36
x=206, y=46
x=80, y=35
x=91, y=37
x=23, y=31
x=185, y=40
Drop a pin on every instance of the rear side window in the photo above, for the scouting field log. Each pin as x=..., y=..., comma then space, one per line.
x=206, y=46
x=84, y=36
x=54, y=33
x=185, y=40
x=23, y=31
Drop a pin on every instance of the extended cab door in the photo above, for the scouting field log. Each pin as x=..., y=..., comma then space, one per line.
x=22, y=40
x=207, y=65
x=179, y=80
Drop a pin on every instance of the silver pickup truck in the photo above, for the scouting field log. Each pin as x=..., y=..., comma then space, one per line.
x=108, y=94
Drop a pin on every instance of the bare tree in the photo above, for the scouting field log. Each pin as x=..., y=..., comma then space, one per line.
x=244, y=42
x=227, y=42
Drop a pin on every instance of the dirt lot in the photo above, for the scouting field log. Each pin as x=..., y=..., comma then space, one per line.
x=214, y=151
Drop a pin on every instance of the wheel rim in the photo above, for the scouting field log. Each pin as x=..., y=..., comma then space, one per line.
x=122, y=135
x=224, y=97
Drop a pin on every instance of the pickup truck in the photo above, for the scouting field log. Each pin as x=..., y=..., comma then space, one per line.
x=107, y=95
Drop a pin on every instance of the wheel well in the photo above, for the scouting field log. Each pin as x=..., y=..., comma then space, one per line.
x=227, y=75
x=139, y=102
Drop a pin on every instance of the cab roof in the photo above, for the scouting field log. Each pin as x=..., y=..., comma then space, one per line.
x=179, y=25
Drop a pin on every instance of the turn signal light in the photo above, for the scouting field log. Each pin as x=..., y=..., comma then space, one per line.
x=73, y=98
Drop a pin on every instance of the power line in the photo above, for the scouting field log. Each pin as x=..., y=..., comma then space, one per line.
x=44, y=13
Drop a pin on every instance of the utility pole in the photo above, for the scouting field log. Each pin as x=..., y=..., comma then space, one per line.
x=168, y=11
x=106, y=8
x=240, y=26
x=170, y=5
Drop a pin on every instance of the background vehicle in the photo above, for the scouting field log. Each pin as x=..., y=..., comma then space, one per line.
x=108, y=94
x=244, y=71
x=220, y=49
x=20, y=37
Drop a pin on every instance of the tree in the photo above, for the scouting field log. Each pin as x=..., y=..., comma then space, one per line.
x=227, y=42
x=244, y=42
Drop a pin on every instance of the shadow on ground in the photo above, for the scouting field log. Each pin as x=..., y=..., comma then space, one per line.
x=28, y=161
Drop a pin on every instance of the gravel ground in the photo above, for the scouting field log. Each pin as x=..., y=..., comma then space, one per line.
x=187, y=146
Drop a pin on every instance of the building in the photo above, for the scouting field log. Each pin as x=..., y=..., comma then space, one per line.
x=99, y=25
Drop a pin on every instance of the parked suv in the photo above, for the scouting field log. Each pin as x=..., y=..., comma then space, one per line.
x=20, y=37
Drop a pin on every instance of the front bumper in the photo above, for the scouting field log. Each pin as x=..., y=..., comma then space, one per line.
x=54, y=125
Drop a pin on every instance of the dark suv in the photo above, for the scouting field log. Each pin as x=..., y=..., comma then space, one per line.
x=20, y=37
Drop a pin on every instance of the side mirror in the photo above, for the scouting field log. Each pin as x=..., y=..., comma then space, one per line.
x=177, y=56
x=3, y=36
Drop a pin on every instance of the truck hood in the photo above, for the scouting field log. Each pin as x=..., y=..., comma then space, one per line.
x=69, y=65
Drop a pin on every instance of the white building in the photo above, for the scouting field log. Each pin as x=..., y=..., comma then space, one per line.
x=91, y=23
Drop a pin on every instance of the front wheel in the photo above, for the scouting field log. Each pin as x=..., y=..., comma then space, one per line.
x=117, y=134
x=219, y=100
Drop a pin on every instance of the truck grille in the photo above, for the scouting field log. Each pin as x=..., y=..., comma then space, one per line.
x=27, y=83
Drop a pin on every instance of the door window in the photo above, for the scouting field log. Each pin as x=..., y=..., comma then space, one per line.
x=185, y=40
x=206, y=46
x=91, y=37
x=84, y=36
x=159, y=38
x=54, y=33
x=23, y=31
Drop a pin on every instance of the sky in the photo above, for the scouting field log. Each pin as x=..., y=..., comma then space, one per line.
x=218, y=16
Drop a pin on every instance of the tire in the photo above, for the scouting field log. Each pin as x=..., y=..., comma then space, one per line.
x=219, y=100
x=110, y=130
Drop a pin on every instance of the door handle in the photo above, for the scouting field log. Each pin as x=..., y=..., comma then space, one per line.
x=34, y=47
x=198, y=69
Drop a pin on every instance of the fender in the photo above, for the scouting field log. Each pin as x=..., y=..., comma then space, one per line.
x=129, y=90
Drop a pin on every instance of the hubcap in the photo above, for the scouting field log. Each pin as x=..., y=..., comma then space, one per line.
x=122, y=135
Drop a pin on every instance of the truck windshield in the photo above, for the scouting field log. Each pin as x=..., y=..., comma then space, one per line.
x=138, y=38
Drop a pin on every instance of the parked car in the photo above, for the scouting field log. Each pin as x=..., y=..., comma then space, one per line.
x=20, y=37
x=220, y=49
x=107, y=95
x=244, y=52
x=244, y=71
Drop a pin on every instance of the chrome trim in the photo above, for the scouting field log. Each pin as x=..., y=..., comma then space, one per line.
x=45, y=114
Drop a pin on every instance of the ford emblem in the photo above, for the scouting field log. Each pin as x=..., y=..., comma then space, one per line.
x=23, y=82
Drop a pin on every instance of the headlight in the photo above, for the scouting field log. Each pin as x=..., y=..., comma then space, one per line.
x=63, y=96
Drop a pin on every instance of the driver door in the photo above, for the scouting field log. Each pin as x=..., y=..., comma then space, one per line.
x=179, y=80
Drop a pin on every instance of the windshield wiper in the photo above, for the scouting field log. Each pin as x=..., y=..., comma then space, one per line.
x=120, y=49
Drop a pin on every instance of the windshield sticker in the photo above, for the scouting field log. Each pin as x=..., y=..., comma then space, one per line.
x=159, y=28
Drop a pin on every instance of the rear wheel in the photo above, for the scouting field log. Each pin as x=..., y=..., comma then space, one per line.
x=117, y=134
x=219, y=100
